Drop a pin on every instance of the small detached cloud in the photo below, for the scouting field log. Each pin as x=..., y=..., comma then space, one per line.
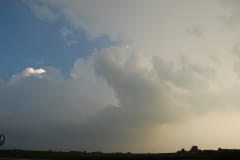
x=29, y=72
x=33, y=72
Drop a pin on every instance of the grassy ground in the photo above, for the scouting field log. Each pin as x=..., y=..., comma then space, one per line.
x=200, y=155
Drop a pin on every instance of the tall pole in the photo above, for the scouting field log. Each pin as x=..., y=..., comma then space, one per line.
x=2, y=139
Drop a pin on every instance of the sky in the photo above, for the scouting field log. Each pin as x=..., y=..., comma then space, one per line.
x=120, y=76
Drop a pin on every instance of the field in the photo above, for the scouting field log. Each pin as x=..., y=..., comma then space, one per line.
x=78, y=155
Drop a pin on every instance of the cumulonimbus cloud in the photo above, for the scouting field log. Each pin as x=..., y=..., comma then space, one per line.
x=117, y=97
x=112, y=100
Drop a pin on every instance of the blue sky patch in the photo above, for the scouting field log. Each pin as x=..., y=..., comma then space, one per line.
x=27, y=41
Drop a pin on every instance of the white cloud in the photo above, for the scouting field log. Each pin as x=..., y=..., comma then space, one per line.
x=29, y=72
x=32, y=71
x=133, y=90
x=111, y=102
x=42, y=11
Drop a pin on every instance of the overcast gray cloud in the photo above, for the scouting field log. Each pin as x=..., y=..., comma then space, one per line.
x=159, y=84
x=196, y=31
x=233, y=14
x=44, y=105
x=111, y=102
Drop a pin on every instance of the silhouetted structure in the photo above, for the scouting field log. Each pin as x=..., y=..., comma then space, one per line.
x=194, y=149
x=2, y=139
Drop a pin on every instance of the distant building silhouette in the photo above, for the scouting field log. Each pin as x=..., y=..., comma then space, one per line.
x=194, y=149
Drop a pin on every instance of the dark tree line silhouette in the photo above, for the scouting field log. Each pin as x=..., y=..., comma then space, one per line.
x=193, y=154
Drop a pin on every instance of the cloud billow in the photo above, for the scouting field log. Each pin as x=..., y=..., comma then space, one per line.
x=147, y=87
x=113, y=98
